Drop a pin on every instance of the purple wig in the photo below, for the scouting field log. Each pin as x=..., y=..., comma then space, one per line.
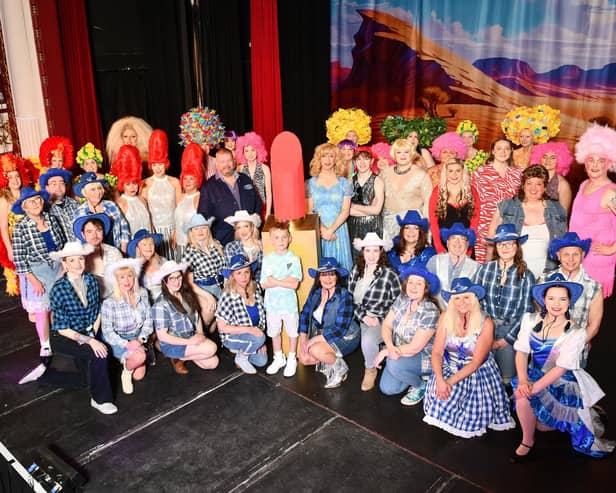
x=250, y=139
x=564, y=158
x=450, y=141
x=230, y=134
x=347, y=142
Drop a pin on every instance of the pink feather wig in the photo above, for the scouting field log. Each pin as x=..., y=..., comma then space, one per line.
x=451, y=141
x=597, y=140
x=250, y=139
x=564, y=158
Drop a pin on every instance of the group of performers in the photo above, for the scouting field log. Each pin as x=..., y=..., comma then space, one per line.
x=470, y=278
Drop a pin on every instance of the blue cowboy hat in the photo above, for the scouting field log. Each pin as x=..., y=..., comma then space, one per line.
x=80, y=221
x=25, y=194
x=433, y=281
x=460, y=230
x=557, y=280
x=413, y=217
x=142, y=234
x=64, y=173
x=87, y=179
x=238, y=262
x=569, y=239
x=328, y=264
x=198, y=220
x=462, y=285
x=506, y=232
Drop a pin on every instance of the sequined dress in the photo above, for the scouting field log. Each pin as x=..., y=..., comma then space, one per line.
x=364, y=195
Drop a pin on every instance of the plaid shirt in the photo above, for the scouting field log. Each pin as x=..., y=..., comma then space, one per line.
x=122, y=323
x=166, y=317
x=344, y=317
x=64, y=212
x=232, y=309
x=378, y=298
x=204, y=265
x=120, y=229
x=505, y=304
x=29, y=247
x=67, y=311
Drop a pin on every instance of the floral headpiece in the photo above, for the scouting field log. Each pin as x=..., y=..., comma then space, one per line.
x=201, y=125
x=427, y=127
x=88, y=151
x=543, y=121
x=468, y=126
x=342, y=121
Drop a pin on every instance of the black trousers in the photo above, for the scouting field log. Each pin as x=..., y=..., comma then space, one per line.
x=92, y=371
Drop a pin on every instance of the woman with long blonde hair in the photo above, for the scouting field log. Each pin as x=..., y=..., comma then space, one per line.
x=465, y=395
x=453, y=200
x=329, y=194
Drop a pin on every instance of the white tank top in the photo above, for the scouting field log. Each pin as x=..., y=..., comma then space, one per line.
x=161, y=202
x=136, y=214
x=183, y=212
x=535, y=249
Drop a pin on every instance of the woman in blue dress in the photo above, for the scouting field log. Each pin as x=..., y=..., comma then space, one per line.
x=411, y=246
x=465, y=395
x=329, y=195
x=553, y=392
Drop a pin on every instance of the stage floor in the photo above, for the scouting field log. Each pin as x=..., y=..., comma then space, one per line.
x=224, y=431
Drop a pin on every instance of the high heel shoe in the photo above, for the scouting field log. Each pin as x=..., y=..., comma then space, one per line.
x=523, y=459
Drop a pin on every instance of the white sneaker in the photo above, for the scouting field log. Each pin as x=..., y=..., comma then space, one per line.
x=33, y=374
x=127, y=381
x=241, y=361
x=291, y=367
x=105, y=407
x=277, y=363
x=45, y=352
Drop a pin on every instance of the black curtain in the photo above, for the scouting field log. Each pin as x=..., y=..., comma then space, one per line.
x=226, y=63
x=303, y=31
x=141, y=63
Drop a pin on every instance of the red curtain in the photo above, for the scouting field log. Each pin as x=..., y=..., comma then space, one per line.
x=61, y=32
x=265, y=68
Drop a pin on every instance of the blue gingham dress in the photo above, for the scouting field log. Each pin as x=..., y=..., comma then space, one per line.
x=477, y=402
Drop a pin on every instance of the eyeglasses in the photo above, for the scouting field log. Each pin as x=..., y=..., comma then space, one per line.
x=175, y=278
x=32, y=201
x=506, y=244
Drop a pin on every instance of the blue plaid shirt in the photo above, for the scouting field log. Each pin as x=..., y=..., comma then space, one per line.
x=122, y=323
x=29, y=247
x=67, y=311
x=64, y=212
x=166, y=317
x=344, y=317
x=235, y=248
x=507, y=304
x=120, y=228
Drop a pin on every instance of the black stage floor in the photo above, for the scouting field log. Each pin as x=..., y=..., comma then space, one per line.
x=224, y=431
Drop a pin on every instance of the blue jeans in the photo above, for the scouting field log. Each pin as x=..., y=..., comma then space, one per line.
x=401, y=373
x=370, y=340
x=505, y=358
x=248, y=344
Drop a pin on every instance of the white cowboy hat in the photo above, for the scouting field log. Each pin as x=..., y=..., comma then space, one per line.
x=242, y=215
x=372, y=239
x=169, y=267
x=134, y=263
x=72, y=249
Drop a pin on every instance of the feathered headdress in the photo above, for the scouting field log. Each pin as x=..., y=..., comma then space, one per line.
x=342, y=121
x=543, y=122
x=127, y=166
x=10, y=162
x=56, y=146
x=192, y=163
x=250, y=139
x=158, y=148
x=201, y=125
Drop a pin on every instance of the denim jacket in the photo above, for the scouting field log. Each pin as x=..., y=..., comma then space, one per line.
x=511, y=212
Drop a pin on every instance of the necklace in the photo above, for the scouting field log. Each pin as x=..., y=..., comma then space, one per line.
x=403, y=172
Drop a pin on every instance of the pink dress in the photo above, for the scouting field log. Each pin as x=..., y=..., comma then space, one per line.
x=492, y=189
x=590, y=220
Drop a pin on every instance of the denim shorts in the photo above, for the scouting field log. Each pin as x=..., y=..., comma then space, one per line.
x=349, y=343
x=172, y=350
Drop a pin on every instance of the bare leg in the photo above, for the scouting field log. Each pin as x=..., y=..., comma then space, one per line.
x=41, y=321
x=528, y=422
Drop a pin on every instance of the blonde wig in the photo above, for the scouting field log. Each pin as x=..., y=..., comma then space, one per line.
x=315, y=163
x=114, y=137
x=465, y=195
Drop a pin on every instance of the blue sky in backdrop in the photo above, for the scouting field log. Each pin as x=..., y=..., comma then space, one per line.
x=544, y=33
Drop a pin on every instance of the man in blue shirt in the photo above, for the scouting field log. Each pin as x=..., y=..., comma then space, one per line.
x=226, y=192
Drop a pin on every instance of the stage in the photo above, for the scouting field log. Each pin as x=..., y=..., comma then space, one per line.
x=222, y=430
